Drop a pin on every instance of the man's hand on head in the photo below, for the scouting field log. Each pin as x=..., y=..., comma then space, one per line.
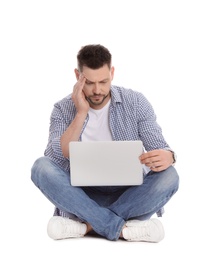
x=78, y=96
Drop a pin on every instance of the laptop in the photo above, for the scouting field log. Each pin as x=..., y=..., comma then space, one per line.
x=105, y=163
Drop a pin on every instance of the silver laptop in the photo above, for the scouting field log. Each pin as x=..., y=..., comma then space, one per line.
x=105, y=163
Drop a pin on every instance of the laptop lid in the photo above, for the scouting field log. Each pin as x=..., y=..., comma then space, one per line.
x=105, y=163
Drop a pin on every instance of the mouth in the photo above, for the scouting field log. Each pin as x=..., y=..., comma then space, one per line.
x=97, y=97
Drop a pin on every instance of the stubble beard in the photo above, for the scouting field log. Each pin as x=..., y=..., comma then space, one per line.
x=97, y=103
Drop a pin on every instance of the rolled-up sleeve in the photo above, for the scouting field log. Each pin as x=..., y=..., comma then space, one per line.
x=58, y=124
x=150, y=131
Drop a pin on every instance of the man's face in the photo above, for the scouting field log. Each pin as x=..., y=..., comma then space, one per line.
x=97, y=85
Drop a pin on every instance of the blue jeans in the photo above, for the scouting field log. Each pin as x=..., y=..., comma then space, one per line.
x=106, y=209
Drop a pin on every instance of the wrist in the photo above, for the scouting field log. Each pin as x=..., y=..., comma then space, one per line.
x=81, y=115
x=174, y=156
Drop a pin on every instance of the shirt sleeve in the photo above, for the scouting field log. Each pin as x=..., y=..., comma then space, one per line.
x=57, y=127
x=150, y=131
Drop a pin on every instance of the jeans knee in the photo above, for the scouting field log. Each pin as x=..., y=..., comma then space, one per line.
x=172, y=178
x=167, y=180
x=36, y=170
x=175, y=177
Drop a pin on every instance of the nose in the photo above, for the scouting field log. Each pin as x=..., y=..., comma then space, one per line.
x=96, y=89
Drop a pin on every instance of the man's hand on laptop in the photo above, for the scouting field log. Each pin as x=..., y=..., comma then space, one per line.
x=157, y=160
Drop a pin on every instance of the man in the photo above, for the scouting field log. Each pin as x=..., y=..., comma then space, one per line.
x=98, y=110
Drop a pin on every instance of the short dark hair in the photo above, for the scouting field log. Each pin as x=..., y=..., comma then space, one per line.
x=93, y=56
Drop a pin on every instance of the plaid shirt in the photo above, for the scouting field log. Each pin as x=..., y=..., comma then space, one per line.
x=131, y=117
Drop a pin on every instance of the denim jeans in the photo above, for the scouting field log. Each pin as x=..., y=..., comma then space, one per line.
x=105, y=208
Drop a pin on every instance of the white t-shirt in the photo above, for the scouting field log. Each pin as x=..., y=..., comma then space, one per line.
x=97, y=128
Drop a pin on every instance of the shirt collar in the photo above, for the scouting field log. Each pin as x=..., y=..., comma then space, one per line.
x=115, y=95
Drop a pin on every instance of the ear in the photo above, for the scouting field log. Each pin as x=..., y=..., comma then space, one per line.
x=112, y=73
x=77, y=73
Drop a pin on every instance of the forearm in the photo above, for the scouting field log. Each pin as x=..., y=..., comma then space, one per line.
x=72, y=133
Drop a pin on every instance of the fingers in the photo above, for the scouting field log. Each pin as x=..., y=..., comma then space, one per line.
x=150, y=158
x=153, y=164
x=154, y=160
x=78, y=87
x=78, y=96
x=158, y=169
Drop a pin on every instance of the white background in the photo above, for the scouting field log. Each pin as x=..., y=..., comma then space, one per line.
x=161, y=48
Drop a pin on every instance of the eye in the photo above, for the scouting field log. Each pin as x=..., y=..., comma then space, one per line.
x=89, y=82
x=104, y=82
